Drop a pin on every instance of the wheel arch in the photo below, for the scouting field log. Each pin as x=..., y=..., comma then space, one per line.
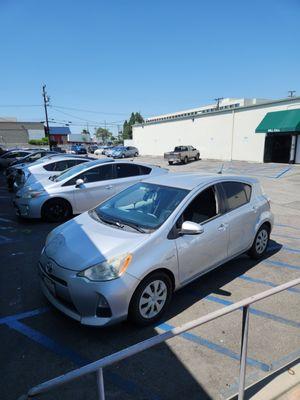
x=57, y=198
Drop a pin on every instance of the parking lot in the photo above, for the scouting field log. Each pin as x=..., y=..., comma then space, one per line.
x=39, y=343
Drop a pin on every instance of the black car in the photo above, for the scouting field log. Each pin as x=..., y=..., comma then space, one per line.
x=9, y=157
x=78, y=149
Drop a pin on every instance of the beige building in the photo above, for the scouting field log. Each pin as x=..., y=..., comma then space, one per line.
x=13, y=132
x=234, y=129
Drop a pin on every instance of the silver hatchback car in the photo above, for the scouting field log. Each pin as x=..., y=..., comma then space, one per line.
x=127, y=256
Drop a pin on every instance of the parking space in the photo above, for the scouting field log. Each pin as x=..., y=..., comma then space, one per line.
x=38, y=343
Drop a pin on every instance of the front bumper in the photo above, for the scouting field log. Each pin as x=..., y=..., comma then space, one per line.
x=28, y=208
x=79, y=298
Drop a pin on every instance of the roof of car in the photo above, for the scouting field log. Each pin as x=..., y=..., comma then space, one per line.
x=190, y=180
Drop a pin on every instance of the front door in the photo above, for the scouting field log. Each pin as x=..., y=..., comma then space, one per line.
x=199, y=253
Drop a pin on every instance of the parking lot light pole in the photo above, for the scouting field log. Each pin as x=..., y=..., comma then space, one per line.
x=243, y=358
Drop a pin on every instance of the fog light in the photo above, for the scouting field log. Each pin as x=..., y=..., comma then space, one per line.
x=103, y=310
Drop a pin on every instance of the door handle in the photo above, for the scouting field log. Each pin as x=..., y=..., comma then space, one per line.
x=108, y=187
x=222, y=227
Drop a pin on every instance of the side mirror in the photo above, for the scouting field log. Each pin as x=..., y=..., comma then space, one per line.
x=79, y=182
x=191, y=228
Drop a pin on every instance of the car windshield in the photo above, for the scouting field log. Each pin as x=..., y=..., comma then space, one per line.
x=143, y=205
x=70, y=172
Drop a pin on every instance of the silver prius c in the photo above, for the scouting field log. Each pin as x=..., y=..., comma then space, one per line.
x=125, y=258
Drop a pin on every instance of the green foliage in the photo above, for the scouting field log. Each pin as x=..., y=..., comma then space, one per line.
x=104, y=134
x=39, y=142
x=127, y=126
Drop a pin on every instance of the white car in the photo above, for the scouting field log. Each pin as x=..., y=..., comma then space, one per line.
x=45, y=167
x=80, y=188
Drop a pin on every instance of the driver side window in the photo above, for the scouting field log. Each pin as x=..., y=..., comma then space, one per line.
x=202, y=208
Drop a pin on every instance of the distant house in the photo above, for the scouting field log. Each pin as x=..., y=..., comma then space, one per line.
x=59, y=134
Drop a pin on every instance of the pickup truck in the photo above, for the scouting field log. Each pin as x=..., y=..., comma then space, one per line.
x=182, y=154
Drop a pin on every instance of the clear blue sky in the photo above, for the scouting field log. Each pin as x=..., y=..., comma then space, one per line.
x=150, y=56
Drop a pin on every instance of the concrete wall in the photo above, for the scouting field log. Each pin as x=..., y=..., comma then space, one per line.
x=224, y=135
x=12, y=133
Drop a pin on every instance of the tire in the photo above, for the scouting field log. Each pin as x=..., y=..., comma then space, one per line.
x=123, y=156
x=158, y=281
x=136, y=154
x=56, y=210
x=185, y=160
x=170, y=162
x=197, y=157
x=260, y=243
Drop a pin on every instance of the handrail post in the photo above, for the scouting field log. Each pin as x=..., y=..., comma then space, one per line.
x=100, y=383
x=243, y=358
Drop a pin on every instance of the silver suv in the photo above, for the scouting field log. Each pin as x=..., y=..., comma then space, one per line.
x=127, y=256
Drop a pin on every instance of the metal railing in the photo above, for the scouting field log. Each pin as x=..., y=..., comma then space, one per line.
x=97, y=366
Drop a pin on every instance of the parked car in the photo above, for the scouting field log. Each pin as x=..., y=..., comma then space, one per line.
x=106, y=149
x=45, y=167
x=124, y=151
x=126, y=257
x=92, y=148
x=78, y=149
x=99, y=151
x=58, y=149
x=9, y=157
x=80, y=188
x=12, y=170
x=182, y=154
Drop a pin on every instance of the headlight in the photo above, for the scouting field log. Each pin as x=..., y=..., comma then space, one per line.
x=107, y=270
x=31, y=194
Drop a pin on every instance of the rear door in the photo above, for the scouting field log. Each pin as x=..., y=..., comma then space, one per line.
x=241, y=215
x=98, y=186
x=127, y=174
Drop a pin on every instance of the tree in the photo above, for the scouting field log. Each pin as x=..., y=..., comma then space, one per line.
x=127, y=126
x=103, y=134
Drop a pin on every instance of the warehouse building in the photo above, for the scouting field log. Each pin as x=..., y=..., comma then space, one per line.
x=256, y=130
x=13, y=132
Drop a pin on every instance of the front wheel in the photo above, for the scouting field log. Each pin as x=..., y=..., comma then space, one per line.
x=150, y=299
x=260, y=243
x=170, y=162
x=136, y=154
x=197, y=157
x=56, y=210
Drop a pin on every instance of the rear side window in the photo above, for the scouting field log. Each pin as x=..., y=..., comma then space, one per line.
x=144, y=170
x=103, y=173
x=236, y=193
x=127, y=170
x=62, y=165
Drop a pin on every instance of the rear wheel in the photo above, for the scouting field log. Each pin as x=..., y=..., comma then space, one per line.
x=136, y=154
x=123, y=155
x=260, y=243
x=56, y=210
x=150, y=299
x=185, y=160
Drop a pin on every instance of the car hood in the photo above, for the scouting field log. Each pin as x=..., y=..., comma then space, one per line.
x=83, y=242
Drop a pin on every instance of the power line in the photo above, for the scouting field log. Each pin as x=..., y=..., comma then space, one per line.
x=90, y=111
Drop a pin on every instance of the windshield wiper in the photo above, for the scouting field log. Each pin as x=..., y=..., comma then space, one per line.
x=136, y=227
x=120, y=224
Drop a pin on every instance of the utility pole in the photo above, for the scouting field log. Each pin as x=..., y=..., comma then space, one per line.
x=46, y=103
x=218, y=102
x=291, y=93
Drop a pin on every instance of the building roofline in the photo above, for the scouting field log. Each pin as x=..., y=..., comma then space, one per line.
x=228, y=111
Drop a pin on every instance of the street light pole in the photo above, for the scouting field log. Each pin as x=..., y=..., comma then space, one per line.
x=46, y=103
